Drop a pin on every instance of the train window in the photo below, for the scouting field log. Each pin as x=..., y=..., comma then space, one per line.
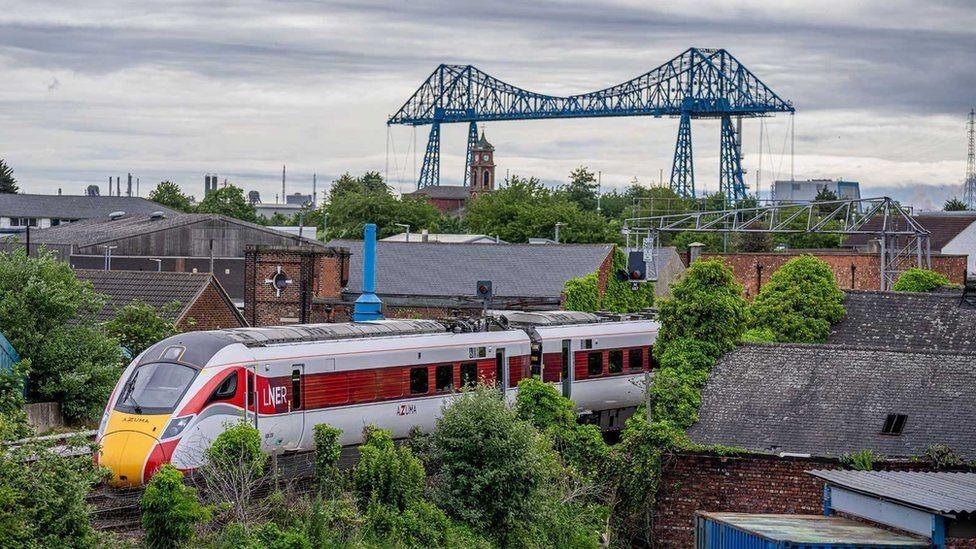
x=469, y=374
x=586, y=344
x=296, y=389
x=251, y=396
x=418, y=380
x=594, y=364
x=636, y=359
x=227, y=388
x=444, y=378
x=615, y=362
x=477, y=352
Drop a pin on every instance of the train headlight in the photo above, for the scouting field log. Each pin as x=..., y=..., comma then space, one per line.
x=176, y=426
x=104, y=423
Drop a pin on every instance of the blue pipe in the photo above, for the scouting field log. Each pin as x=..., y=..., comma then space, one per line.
x=368, y=305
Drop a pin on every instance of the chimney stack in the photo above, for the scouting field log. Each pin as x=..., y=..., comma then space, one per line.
x=118, y=185
x=283, y=195
x=128, y=186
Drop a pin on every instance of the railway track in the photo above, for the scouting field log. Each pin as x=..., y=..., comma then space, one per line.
x=118, y=510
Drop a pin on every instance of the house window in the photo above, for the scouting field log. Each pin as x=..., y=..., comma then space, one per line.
x=594, y=364
x=469, y=374
x=616, y=362
x=894, y=424
x=636, y=359
x=487, y=176
x=418, y=381
x=444, y=378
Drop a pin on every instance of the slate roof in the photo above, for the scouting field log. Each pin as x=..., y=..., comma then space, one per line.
x=74, y=207
x=447, y=192
x=942, y=226
x=155, y=288
x=898, y=320
x=827, y=400
x=440, y=269
x=94, y=231
x=936, y=492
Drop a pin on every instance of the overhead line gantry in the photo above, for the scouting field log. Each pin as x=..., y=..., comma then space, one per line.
x=698, y=83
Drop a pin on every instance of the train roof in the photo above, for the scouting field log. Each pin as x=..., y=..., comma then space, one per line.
x=309, y=333
x=546, y=318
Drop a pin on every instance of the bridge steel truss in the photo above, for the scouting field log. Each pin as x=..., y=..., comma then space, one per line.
x=698, y=83
x=903, y=241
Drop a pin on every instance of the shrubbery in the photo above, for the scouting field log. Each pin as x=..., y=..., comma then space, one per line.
x=327, y=452
x=170, y=510
x=583, y=294
x=800, y=302
x=919, y=280
x=139, y=325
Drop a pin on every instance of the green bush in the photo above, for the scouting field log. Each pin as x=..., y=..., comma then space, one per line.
x=327, y=452
x=238, y=448
x=540, y=404
x=681, y=375
x=170, y=510
x=942, y=456
x=919, y=280
x=800, y=302
x=583, y=293
x=706, y=304
x=386, y=474
x=861, y=460
x=491, y=466
x=758, y=335
x=43, y=497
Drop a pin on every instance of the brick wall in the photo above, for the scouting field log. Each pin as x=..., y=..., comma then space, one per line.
x=745, y=484
x=315, y=276
x=209, y=312
x=866, y=272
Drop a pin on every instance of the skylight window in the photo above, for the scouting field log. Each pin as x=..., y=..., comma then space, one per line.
x=894, y=424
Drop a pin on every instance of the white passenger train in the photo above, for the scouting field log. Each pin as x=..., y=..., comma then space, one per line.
x=179, y=394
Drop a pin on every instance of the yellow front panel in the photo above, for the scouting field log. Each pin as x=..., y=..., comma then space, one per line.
x=128, y=440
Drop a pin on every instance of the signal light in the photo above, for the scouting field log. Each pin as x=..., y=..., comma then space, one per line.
x=483, y=289
x=635, y=275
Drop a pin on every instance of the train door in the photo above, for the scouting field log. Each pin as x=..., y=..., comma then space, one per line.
x=501, y=372
x=283, y=398
x=567, y=372
x=251, y=396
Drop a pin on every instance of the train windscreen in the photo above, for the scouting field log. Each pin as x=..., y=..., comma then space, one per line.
x=155, y=388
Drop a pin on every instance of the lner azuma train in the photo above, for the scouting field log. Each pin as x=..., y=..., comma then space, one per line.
x=179, y=394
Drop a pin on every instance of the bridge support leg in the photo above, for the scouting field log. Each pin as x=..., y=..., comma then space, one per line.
x=683, y=168
x=731, y=184
x=472, y=140
x=430, y=174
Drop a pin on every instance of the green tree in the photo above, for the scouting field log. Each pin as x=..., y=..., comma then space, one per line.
x=48, y=316
x=8, y=184
x=349, y=213
x=229, y=201
x=139, y=325
x=919, y=280
x=706, y=305
x=619, y=296
x=170, y=510
x=491, y=466
x=582, y=188
x=524, y=209
x=955, y=205
x=386, y=474
x=800, y=302
x=235, y=470
x=170, y=194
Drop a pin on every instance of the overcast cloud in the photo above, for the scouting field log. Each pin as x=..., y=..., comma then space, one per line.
x=173, y=90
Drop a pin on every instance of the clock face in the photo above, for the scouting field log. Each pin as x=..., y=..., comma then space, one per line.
x=484, y=157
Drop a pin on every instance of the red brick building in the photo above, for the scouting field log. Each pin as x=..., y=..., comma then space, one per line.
x=193, y=301
x=853, y=270
x=450, y=199
x=294, y=285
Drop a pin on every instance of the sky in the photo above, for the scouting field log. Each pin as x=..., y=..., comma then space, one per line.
x=173, y=90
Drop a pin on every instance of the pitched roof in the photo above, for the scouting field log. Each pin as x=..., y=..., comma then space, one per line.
x=451, y=238
x=446, y=192
x=90, y=232
x=827, y=400
x=158, y=289
x=942, y=226
x=440, y=269
x=74, y=207
x=898, y=320
x=936, y=492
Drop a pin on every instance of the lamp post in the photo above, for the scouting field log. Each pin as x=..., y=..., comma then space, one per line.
x=560, y=224
x=406, y=228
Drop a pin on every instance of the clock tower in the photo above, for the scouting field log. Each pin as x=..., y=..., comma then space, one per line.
x=482, y=168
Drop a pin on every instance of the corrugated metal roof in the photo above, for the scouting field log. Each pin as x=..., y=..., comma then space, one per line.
x=75, y=207
x=814, y=530
x=938, y=492
x=301, y=333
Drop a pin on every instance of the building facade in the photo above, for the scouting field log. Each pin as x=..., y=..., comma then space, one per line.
x=801, y=192
x=482, y=168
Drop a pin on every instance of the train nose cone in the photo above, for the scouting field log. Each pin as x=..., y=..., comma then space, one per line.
x=125, y=454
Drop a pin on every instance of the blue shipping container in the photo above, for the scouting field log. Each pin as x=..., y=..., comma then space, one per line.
x=748, y=531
